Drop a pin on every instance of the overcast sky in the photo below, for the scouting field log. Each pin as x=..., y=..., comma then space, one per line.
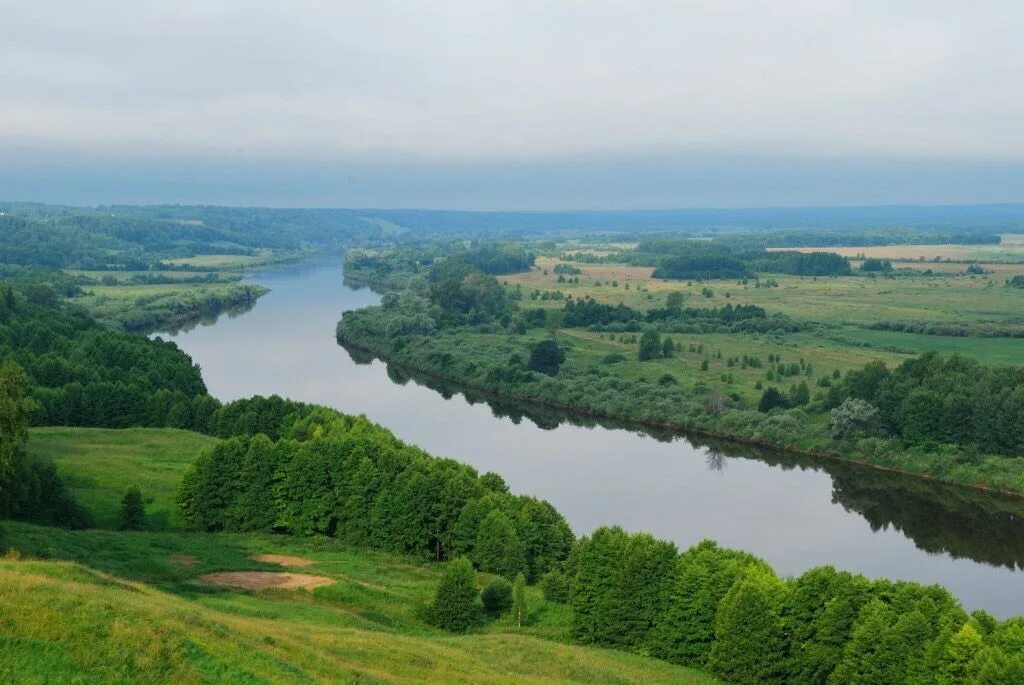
x=521, y=104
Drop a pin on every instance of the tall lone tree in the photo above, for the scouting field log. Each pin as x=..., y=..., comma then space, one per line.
x=519, y=608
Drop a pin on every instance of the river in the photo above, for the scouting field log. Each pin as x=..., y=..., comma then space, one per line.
x=794, y=513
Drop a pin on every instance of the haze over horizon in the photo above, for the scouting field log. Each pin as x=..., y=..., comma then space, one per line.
x=512, y=106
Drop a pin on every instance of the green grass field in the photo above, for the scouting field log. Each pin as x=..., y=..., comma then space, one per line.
x=105, y=606
x=100, y=293
x=222, y=261
x=100, y=464
x=159, y=304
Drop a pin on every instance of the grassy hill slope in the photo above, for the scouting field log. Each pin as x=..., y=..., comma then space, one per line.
x=99, y=464
x=111, y=606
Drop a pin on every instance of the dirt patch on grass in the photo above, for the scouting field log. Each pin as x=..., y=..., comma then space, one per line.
x=267, y=580
x=282, y=560
x=183, y=560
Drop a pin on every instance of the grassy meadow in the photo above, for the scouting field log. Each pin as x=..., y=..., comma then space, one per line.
x=221, y=261
x=99, y=464
x=843, y=306
x=946, y=298
x=140, y=307
x=114, y=606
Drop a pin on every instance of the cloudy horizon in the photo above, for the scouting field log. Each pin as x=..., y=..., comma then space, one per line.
x=508, y=105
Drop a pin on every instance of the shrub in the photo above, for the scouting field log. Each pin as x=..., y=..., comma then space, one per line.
x=854, y=417
x=650, y=346
x=546, y=357
x=613, y=358
x=770, y=399
x=497, y=596
x=133, y=510
x=456, y=604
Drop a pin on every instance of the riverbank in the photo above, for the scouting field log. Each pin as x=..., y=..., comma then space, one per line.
x=459, y=358
x=144, y=308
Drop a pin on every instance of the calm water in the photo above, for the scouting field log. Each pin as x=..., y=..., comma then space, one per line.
x=794, y=513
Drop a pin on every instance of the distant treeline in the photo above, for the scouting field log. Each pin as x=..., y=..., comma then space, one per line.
x=139, y=238
x=590, y=314
x=869, y=236
x=689, y=259
x=957, y=330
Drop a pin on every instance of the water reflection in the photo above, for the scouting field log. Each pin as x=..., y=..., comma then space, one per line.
x=208, y=318
x=939, y=519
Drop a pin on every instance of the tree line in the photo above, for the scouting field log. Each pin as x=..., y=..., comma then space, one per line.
x=728, y=612
x=345, y=477
x=691, y=259
x=935, y=399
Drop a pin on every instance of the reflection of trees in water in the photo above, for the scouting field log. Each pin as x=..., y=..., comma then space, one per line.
x=938, y=518
x=715, y=460
x=206, y=319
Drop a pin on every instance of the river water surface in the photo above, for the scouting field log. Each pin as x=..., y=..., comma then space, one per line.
x=792, y=512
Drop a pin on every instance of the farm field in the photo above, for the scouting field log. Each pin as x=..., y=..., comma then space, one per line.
x=1010, y=249
x=844, y=307
x=836, y=300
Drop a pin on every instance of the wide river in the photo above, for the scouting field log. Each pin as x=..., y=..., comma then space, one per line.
x=794, y=513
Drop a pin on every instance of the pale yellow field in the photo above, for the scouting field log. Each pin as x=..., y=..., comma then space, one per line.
x=1001, y=270
x=1011, y=249
x=949, y=298
x=216, y=260
x=535, y=277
